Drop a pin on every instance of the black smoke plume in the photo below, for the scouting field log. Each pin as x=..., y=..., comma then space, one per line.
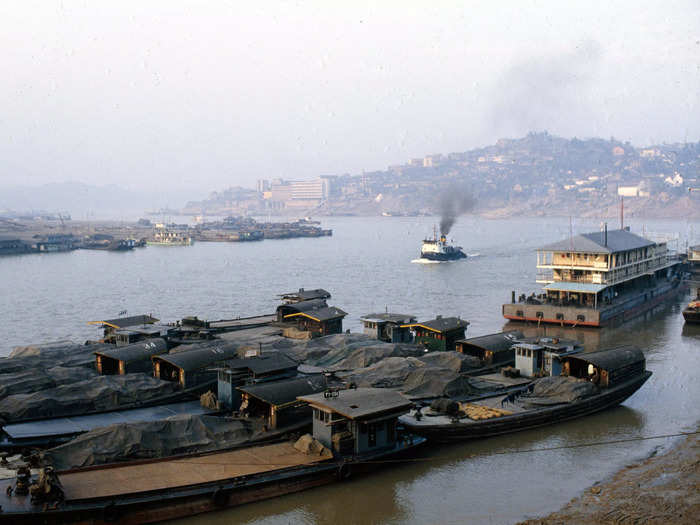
x=454, y=202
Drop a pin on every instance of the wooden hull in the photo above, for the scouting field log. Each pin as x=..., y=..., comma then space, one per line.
x=527, y=420
x=691, y=316
x=156, y=506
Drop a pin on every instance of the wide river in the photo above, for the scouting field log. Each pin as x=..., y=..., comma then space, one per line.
x=367, y=267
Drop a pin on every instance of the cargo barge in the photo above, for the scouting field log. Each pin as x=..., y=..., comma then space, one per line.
x=579, y=384
x=353, y=431
x=597, y=279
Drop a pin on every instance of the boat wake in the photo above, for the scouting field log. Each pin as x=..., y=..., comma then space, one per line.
x=430, y=261
x=426, y=261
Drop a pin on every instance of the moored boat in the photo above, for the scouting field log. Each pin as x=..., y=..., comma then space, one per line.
x=590, y=382
x=691, y=314
x=597, y=279
x=352, y=430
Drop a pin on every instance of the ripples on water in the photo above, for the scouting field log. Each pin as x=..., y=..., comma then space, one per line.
x=366, y=265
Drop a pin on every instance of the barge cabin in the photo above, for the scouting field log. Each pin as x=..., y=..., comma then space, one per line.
x=595, y=278
x=132, y=358
x=111, y=326
x=277, y=404
x=272, y=366
x=314, y=318
x=543, y=358
x=194, y=367
x=357, y=421
x=388, y=327
x=491, y=349
x=439, y=334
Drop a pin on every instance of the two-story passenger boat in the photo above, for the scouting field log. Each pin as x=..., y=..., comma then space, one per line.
x=597, y=278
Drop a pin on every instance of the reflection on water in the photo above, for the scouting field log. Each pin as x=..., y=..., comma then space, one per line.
x=366, y=266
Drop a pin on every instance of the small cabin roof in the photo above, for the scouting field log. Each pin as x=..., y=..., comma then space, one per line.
x=528, y=346
x=196, y=358
x=303, y=306
x=263, y=364
x=575, y=287
x=494, y=342
x=441, y=324
x=320, y=314
x=389, y=318
x=612, y=359
x=618, y=241
x=137, y=351
x=360, y=403
x=123, y=322
x=305, y=295
x=280, y=393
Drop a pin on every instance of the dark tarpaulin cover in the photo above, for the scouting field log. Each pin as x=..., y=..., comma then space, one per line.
x=183, y=434
x=99, y=393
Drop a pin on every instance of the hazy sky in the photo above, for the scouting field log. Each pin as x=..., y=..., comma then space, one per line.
x=207, y=95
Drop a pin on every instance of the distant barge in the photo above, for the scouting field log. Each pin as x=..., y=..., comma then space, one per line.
x=600, y=278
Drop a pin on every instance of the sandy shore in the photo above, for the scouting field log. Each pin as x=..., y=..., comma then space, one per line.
x=661, y=489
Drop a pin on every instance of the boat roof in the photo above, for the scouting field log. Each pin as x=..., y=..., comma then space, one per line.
x=136, y=351
x=494, y=342
x=303, y=306
x=360, y=403
x=280, y=393
x=263, y=364
x=196, y=358
x=612, y=359
x=305, y=295
x=575, y=287
x=618, y=241
x=320, y=314
x=122, y=322
x=441, y=324
x=389, y=318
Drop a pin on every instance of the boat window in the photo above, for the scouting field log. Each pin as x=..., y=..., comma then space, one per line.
x=372, y=435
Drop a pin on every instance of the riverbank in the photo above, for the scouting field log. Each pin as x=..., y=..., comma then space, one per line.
x=660, y=489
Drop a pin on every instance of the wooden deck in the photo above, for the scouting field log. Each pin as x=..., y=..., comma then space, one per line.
x=129, y=479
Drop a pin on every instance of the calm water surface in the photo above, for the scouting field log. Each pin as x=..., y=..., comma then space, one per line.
x=366, y=266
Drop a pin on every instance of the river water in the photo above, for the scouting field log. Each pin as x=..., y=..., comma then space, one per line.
x=367, y=267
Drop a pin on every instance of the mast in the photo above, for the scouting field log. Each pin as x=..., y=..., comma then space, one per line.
x=622, y=212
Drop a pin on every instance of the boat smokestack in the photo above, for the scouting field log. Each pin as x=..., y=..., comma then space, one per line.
x=606, y=234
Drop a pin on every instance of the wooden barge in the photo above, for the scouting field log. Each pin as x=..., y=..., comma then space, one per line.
x=618, y=373
x=353, y=430
x=597, y=279
x=691, y=313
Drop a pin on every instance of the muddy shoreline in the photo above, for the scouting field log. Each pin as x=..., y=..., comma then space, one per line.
x=663, y=488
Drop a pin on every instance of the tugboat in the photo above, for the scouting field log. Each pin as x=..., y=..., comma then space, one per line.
x=439, y=250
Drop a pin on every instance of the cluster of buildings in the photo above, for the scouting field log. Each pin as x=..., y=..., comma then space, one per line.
x=534, y=171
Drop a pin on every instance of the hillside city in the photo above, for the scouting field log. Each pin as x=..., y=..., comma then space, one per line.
x=539, y=174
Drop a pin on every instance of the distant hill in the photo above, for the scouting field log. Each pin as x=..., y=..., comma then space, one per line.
x=538, y=174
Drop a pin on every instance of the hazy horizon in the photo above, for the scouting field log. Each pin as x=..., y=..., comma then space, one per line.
x=184, y=98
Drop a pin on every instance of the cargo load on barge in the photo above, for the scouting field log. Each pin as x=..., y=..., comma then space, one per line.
x=595, y=279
